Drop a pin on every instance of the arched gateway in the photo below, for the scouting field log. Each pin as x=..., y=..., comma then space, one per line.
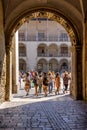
x=76, y=86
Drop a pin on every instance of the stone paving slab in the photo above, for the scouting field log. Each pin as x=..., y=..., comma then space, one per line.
x=59, y=113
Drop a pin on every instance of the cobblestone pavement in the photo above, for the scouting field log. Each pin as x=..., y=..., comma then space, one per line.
x=57, y=113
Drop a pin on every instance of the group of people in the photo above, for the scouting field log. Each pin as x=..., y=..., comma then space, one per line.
x=46, y=82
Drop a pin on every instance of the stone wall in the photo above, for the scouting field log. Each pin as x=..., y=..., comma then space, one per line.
x=2, y=57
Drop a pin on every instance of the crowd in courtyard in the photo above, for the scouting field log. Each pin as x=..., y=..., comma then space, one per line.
x=45, y=82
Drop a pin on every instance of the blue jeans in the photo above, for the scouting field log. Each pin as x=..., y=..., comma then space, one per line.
x=50, y=87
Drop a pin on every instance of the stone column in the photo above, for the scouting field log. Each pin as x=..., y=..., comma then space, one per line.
x=8, y=90
x=79, y=72
x=15, y=64
x=76, y=82
x=85, y=61
x=2, y=57
x=73, y=86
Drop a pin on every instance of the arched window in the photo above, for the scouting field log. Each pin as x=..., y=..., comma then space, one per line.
x=22, y=50
x=64, y=67
x=53, y=65
x=53, y=50
x=41, y=50
x=64, y=50
x=22, y=65
x=42, y=65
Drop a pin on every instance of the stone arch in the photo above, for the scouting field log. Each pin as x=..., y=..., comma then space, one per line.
x=53, y=50
x=42, y=65
x=46, y=13
x=42, y=49
x=63, y=65
x=64, y=49
x=53, y=65
x=72, y=31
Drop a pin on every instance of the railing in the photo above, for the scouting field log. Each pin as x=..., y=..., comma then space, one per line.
x=50, y=38
x=53, y=55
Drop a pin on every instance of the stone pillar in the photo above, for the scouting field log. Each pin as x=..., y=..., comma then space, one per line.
x=85, y=61
x=79, y=72
x=76, y=82
x=73, y=91
x=2, y=57
x=15, y=64
x=8, y=90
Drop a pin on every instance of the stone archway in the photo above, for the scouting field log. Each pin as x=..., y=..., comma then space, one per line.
x=42, y=65
x=53, y=65
x=42, y=49
x=76, y=46
x=63, y=65
x=22, y=65
x=53, y=50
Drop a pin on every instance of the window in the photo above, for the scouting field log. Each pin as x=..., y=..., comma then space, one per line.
x=21, y=36
x=41, y=51
x=22, y=51
x=63, y=37
x=64, y=50
x=22, y=65
x=41, y=36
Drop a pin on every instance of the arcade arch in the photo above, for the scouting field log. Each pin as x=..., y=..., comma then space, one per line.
x=42, y=50
x=53, y=50
x=53, y=65
x=22, y=65
x=64, y=50
x=76, y=47
x=63, y=65
x=42, y=65
x=22, y=50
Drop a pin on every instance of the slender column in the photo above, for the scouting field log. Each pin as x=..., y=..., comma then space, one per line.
x=47, y=31
x=26, y=31
x=36, y=29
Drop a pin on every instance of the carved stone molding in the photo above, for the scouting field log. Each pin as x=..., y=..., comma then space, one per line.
x=49, y=15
